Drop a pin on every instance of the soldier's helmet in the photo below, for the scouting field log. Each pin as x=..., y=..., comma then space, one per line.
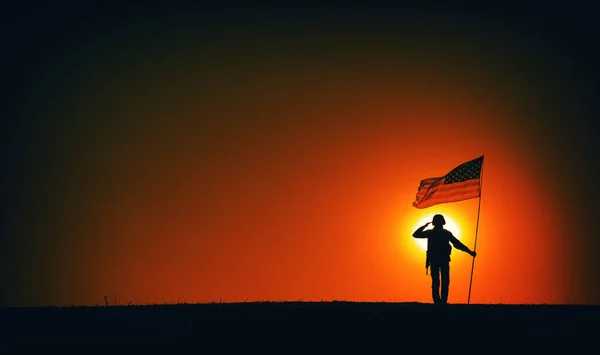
x=438, y=220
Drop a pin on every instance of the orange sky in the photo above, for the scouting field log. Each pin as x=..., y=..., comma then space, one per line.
x=256, y=166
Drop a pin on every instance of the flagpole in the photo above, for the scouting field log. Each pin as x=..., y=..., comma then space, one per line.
x=476, y=230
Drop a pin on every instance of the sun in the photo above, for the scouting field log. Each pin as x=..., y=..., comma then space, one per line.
x=450, y=225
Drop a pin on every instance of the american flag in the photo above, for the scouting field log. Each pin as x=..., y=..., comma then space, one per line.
x=462, y=183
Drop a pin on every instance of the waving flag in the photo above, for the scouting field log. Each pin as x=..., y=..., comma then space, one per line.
x=462, y=183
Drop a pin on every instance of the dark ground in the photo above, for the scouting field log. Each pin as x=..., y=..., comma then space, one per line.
x=338, y=326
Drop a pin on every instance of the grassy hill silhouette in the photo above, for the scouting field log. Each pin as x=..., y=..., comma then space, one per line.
x=342, y=325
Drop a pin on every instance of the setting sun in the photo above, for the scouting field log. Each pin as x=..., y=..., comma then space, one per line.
x=450, y=225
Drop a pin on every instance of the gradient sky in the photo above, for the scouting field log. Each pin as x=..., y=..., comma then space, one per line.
x=189, y=154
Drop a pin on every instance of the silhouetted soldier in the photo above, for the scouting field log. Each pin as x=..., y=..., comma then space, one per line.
x=438, y=255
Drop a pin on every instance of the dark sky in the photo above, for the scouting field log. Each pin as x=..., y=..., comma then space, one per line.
x=74, y=74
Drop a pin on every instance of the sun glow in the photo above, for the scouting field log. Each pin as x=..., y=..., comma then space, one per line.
x=450, y=225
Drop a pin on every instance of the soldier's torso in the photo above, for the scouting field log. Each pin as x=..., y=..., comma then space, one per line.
x=438, y=246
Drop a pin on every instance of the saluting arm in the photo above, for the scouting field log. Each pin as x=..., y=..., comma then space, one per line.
x=420, y=233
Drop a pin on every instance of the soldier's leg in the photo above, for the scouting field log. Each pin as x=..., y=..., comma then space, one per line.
x=435, y=283
x=445, y=271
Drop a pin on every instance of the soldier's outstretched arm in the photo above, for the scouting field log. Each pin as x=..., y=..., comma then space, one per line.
x=420, y=233
x=460, y=246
